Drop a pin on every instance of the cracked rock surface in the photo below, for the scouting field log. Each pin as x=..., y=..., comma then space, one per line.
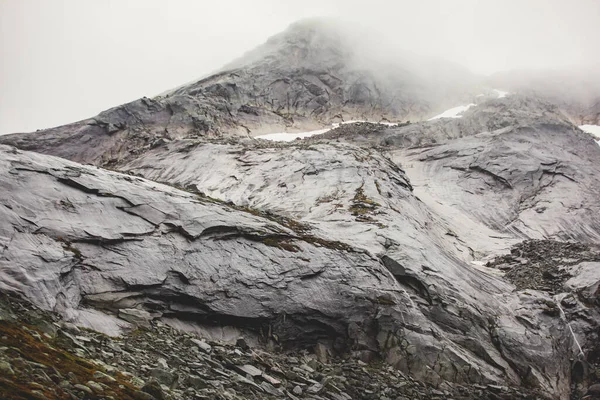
x=95, y=245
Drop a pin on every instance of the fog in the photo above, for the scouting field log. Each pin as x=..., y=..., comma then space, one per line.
x=62, y=61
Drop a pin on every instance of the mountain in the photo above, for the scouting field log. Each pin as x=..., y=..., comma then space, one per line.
x=306, y=77
x=460, y=254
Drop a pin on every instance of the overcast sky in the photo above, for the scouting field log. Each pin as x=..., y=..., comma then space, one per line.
x=65, y=60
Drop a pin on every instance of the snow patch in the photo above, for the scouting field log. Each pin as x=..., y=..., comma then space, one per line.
x=501, y=94
x=288, y=137
x=480, y=266
x=594, y=130
x=455, y=112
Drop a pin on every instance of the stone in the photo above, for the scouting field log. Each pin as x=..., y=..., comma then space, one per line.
x=312, y=363
x=569, y=301
x=39, y=394
x=270, y=389
x=594, y=390
x=322, y=352
x=297, y=390
x=162, y=363
x=6, y=368
x=163, y=376
x=102, y=377
x=497, y=388
x=315, y=389
x=248, y=382
x=248, y=369
x=145, y=396
x=307, y=368
x=196, y=382
x=83, y=388
x=241, y=343
x=153, y=388
x=271, y=380
x=95, y=386
x=137, y=317
x=202, y=345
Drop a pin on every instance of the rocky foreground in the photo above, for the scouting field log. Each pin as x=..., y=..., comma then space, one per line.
x=42, y=357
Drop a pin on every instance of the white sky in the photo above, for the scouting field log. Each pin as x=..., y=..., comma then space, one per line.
x=65, y=60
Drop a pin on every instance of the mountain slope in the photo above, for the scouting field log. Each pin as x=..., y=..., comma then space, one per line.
x=369, y=241
x=92, y=244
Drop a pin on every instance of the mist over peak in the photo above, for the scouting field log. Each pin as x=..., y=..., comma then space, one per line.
x=88, y=51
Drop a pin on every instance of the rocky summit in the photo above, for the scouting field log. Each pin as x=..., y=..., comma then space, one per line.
x=164, y=250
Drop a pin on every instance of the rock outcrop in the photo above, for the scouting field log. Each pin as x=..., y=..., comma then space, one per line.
x=572, y=272
x=501, y=172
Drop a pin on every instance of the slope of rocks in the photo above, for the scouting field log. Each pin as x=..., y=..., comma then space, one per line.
x=570, y=271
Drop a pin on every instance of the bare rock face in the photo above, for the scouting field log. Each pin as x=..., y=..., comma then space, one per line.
x=508, y=170
x=387, y=284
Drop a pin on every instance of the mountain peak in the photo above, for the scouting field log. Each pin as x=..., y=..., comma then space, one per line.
x=307, y=42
